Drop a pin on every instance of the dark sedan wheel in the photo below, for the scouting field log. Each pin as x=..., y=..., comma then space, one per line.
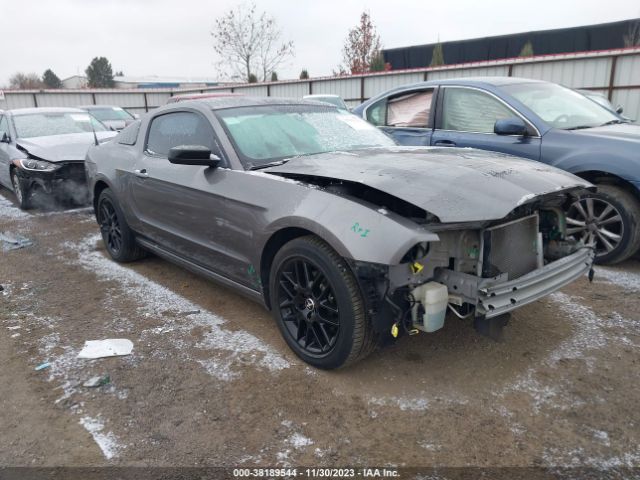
x=608, y=218
x=318, y=305
x=116, y=234
x=22, y=195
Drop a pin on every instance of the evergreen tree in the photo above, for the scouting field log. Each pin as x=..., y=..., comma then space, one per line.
x=50, y=79
x=437, y=57
x=99, y=73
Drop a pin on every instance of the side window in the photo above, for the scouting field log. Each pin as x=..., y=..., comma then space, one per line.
x=377, y=113
x=469, y=110
x=410, y=110
x=4, y=126
x=129, y=134
x=179, y=128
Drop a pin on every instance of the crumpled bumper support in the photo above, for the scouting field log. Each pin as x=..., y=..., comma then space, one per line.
x=498, y=298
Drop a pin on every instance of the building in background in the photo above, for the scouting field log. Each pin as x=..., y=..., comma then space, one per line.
x=587, y=38
x=75, y=81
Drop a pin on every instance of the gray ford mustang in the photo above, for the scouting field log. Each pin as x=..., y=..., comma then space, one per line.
x=348, y=238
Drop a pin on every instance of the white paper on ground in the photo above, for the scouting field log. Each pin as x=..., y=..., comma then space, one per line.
x=111, y=347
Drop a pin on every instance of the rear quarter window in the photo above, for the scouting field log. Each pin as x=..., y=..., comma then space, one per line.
x=129, y=135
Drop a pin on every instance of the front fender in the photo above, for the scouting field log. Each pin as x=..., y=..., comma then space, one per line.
x=356, y=231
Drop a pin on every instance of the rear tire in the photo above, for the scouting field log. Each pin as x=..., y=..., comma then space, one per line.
x=118, y=238
x=318, y=305
x=23, y=196
x=610, y=217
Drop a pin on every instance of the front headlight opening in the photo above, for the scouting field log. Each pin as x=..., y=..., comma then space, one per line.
x=37, y=165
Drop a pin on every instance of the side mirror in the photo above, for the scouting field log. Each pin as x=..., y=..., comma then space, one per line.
x=136, y=116
x=510, y=126
x=5, y=138
x=193, y=155
x=619, y=109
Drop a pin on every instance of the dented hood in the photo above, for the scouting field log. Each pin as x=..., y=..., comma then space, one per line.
x=456, y=185
x=59, y=148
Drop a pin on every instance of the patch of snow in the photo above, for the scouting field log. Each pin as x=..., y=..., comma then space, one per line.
x=107, y=442
x=602, y=437
x=627, y=280
x=230, y=348
x=577, y=457
x=9, y=211
x=429, y=446
x=299, y=441
x=318, y=452
x=403, y=403
x=588, y=333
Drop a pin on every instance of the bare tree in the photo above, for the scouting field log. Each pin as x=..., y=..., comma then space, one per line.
x=361, y=47
x=25, y=81
x=632, y=37
x=250, y=43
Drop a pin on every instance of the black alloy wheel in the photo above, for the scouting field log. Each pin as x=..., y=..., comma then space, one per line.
x=308, y=306
x=116, y=234
x=318, y=305
x=110, y=227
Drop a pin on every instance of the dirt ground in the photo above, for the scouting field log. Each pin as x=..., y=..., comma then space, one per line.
x=211, y=382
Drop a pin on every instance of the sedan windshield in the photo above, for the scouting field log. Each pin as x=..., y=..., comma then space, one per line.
x=55, y=123
x=266, y=134
x=561, y=107
x=110, y=113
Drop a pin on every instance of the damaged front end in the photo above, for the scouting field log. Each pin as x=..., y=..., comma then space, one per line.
x=65, y=181
x=480, y=270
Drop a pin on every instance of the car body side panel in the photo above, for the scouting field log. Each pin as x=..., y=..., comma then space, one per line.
x=526, y=147
x=577, y=152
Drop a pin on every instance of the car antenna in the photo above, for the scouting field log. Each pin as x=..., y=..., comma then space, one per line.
x=93, y=129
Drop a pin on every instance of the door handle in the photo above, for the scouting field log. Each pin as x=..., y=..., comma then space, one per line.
x=141, y=173
x=445, y=143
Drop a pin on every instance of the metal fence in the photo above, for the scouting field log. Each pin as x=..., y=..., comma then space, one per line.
x=615, y=73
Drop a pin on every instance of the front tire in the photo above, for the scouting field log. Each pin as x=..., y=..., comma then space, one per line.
x=23, y=196
x=610, y=217
x=118, y=238
x=318, y=305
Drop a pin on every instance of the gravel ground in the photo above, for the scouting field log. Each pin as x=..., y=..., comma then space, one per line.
x=211, y=382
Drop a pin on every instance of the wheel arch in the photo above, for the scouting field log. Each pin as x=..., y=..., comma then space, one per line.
x=98, y=188
x=275, y=242
x=601, y=176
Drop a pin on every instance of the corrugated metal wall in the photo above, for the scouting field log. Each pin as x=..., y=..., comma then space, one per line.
x=614, y=73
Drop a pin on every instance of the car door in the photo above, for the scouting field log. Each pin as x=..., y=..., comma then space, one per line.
x=406, y=116
x=182, y=207
x=5, y=148
x=466, y=116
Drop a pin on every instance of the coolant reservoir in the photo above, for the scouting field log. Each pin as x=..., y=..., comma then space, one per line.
x=434, y=298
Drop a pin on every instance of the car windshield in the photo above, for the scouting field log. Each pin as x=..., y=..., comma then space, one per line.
x=55, y=123
x=561, y=107
x=265, y=134
x=110, y=113
x=600, y=100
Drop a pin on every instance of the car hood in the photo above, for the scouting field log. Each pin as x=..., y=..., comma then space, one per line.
x=625, y=131
x=456, y=185
x=59, y=148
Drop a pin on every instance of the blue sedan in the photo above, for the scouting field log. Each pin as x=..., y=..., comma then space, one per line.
x=537, y=120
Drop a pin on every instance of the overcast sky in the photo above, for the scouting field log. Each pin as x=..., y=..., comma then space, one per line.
x=172, y=37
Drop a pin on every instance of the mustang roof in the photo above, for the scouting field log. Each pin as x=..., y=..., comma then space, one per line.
x=246, y=101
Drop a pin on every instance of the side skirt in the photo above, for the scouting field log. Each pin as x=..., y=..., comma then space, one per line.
x=199, y=270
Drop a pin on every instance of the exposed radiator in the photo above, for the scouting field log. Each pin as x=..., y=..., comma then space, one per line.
x=511, y=248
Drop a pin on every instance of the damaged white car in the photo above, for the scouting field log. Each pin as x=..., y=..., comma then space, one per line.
x=349, y=239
